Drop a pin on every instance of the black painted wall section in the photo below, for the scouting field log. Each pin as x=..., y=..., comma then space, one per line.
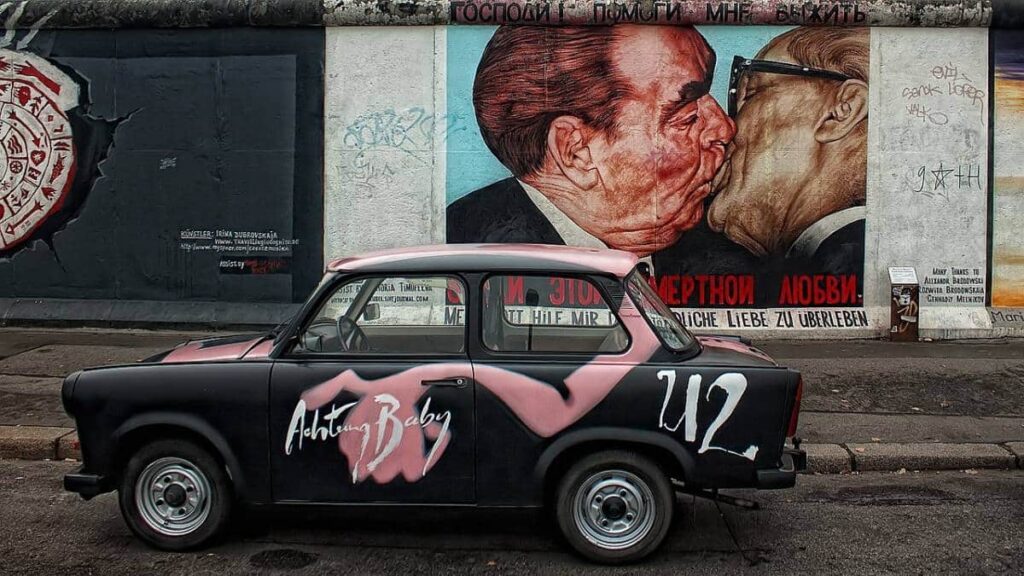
x=213, y=130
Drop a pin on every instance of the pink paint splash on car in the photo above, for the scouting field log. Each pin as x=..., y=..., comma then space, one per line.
x=380, y=439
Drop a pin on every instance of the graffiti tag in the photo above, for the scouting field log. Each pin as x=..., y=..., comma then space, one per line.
x=938, y=180
x=409, y=130
x=958, y=84
x=926, y=115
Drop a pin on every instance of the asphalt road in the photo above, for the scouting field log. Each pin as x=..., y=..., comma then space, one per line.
x=912, y=523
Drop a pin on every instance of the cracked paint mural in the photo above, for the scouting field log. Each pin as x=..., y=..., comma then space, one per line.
x=50, y=149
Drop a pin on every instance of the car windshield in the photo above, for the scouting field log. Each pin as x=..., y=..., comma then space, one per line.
x=669, y=329
x=278, y=330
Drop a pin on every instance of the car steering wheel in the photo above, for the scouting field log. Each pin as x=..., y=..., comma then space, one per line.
x=351, y=336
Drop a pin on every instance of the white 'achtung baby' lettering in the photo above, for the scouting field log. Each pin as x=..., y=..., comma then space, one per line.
x=733, y=384
x=386, y=430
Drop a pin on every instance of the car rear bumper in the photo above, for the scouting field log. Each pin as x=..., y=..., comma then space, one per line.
x=86, y=485
x=793, y=460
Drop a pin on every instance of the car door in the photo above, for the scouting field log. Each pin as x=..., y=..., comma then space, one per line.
x=374, y=400
x=551, y=353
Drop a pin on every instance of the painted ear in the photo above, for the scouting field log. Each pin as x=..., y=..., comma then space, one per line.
x=568, y=146
x=849, y=108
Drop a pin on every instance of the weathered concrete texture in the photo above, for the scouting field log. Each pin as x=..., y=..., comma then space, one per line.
x=170, y=13
x=827, y=459
x=368, y=12
x=876, y=457
x=30, y=385
x=68, y=447
x=30, y=442
x=926, y=13
x=63, y=312
x=32, y=401
x=60, y=360
x=1018, y=451
x=945, y=386
x=838, y=428
x=217, y=13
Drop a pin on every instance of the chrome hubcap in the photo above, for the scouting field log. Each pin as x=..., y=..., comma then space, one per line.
x=173, y=496
x=614, y=509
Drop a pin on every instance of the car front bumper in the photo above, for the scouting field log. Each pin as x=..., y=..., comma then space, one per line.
x=794, y=460
x=86, y=485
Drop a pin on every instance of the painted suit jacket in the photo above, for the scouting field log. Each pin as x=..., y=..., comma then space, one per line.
x=499, y=213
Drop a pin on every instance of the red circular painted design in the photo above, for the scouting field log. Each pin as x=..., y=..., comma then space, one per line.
x=37, y=152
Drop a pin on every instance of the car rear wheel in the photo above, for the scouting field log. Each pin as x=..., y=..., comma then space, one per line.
x=615, y=507
x=174, y=495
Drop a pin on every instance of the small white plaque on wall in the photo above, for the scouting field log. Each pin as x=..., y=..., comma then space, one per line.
x=902, y=275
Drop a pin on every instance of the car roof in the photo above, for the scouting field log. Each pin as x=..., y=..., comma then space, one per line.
x=490, y=257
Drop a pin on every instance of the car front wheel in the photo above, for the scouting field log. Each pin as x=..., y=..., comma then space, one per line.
x=615, y=507
x=174, y=495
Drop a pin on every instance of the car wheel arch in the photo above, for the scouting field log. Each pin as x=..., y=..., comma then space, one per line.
x=143, y=428
x=674, y=458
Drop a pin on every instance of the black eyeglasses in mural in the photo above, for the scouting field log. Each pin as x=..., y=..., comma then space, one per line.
x=741, y=66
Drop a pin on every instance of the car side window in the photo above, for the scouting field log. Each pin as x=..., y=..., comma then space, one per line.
x=390, y=315
x=542, y=313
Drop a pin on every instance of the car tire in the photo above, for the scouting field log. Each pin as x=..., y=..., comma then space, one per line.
x=175, y=495
x=615, y=507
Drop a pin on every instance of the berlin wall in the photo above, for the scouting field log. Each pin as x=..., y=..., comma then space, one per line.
x=769, y=161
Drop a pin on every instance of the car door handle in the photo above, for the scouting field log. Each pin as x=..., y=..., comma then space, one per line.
x=458, y=382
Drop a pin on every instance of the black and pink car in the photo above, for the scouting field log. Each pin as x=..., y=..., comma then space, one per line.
x=483, y=375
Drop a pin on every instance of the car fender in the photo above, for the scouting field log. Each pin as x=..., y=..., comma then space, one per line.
x=194, y=425
x=618, y=436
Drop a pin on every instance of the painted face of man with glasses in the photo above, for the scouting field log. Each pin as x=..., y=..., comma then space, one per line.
x=795, y=173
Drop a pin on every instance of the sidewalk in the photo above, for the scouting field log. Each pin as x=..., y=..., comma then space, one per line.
x=868, y=405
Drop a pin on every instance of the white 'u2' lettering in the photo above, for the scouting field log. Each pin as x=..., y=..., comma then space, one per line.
x=733, y=384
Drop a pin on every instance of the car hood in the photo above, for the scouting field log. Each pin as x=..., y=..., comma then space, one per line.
x=731, y=351
x=223, y=348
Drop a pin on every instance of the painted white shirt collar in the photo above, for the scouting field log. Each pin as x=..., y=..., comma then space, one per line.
x=571, y=233
x=810, y=239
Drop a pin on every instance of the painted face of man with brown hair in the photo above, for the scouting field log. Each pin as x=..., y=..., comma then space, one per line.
x=799, y=158
x=640, y=185
x=616, y=132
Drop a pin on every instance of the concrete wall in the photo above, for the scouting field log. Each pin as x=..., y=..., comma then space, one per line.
x=211, y=170
x=195, y=163
x=924, y=173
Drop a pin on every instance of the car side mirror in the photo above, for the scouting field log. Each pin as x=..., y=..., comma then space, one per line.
x=371, y=312
x=309, y=343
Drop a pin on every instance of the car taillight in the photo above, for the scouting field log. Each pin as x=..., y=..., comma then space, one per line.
x=794, y=416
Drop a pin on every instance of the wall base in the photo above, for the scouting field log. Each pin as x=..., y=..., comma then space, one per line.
x=142, y=313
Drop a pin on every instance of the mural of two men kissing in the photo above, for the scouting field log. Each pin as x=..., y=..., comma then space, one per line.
x=741, y=177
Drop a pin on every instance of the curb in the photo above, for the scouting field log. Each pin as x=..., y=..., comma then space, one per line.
x=52, y=443
x=886, y=457
x=38, y=443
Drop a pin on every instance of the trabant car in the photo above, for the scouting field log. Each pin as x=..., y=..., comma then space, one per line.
x=482, y=375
